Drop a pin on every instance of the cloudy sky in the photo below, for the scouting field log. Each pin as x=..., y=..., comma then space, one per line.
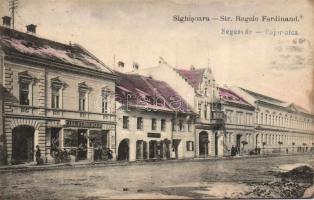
x=142, y=31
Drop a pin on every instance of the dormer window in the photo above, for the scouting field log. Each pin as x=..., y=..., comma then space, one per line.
x=25, y=80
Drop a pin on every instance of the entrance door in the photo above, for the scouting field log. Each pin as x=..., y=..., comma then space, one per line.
x=123, y=150
x=152, y=149
x=203, y=144
x=175, y=145
x=23, y=144
x=238, y=145
x=82, y=144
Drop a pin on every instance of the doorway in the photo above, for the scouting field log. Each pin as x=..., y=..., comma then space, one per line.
x=123, y=150
x=22, y=144
x=203, y=143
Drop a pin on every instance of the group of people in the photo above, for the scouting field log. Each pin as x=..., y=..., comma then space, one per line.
x=236, y=151
x=102, y=153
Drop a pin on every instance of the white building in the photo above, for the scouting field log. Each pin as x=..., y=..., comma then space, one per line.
x=280, y=126
x=153, y=121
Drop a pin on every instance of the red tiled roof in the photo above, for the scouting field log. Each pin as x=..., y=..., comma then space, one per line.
x=229, y=96
x=138, y=91
x=13, y=41
x=193, y=76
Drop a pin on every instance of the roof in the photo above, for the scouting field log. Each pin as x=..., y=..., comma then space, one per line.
x=193, y=76
x=143, y=92
x=270, y=100
x=13, y=41
x=229, y=96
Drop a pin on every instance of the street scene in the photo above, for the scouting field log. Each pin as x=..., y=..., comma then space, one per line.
x=238, y=178
x=109, y=99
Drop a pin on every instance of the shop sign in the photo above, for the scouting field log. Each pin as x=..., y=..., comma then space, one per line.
x=108, y=127
x=154, y=135
x=83, y=124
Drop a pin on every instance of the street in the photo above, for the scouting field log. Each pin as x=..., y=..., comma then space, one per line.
x=188, y=179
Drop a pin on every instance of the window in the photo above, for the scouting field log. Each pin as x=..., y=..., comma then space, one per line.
x=205, y=111
x=199, y=108
x=125, y=122
x=163, y=125
x=105, y=101
x=83, y=90
x=262, y=118
x=181, y=125
x=173, y=123
x=82, y=101
x=140, y=123
x=190, y=146
x=55, y=97
x=189, y=125
x=154, y=124
x=24, y=93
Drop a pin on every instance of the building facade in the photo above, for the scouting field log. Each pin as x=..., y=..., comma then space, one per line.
x=280, y=126
x=57, y=96
x=197, y=87
x=239, y=126
x=153, y=121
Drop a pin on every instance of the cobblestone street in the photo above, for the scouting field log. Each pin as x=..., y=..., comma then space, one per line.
x=190, y=179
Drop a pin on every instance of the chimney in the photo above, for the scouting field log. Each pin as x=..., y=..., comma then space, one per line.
x=31, y=28
x=6, y=21
x=192, y=67
x=121, y=64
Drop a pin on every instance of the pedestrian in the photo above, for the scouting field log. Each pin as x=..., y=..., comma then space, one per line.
x=233, y=151
x=109, y=152
x=38, y=156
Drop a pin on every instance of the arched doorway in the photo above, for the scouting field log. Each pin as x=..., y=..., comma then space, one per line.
x=123, y=150
x=23, y=144
x=238, y=143
x=203, y=143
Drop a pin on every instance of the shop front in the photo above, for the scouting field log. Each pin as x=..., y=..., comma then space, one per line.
x=81, y=140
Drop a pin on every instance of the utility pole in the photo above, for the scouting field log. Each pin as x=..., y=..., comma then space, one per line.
x=12, y=8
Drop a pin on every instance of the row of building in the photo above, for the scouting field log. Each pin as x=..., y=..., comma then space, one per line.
x=62, y=98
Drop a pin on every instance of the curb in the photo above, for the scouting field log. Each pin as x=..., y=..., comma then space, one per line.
x=8, y=169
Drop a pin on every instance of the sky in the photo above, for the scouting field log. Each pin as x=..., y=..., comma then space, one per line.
x=280, y=66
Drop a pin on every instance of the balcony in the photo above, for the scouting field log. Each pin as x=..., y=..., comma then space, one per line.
x=217, y=117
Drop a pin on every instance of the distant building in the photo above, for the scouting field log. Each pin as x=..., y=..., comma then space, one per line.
x=55, y=95
x=280, y=126
x=153, y=120
x=239, y=126
x=197, y=87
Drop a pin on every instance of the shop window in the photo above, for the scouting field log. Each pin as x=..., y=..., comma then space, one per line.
x=154, y=124
x=125, y=122
x=140, y=123
x=163, y=125
x=190, y=146
x=70, y=138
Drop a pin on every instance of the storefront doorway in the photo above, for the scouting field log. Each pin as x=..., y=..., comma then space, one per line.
x=82, y=144
x=153, y=149
x=175, y=146
x=123, y=150
x=22, y=144
x=203, y=143
x=238, y=144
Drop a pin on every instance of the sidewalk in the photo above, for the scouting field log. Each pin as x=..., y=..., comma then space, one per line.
x=84, y=164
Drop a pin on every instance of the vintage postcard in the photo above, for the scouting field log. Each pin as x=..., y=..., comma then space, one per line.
x=156, y=99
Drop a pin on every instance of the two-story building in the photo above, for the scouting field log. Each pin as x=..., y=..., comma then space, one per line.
x=280, y=126
x=153, y=120
x=197, y=87
x=55, y=95
x=239, y=127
